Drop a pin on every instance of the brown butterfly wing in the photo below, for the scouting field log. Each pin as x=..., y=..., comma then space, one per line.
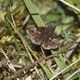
x=36, y=34
x=43, y=36
x=50, y=40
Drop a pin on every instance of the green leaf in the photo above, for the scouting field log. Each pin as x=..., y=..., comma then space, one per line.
x=34, y=12
x=46, y=70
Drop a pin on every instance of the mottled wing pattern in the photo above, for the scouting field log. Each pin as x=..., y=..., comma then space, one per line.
x=50, y=42
x=42, y=36
x=36, y=34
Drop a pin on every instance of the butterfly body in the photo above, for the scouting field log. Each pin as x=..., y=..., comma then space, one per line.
x=42, y=36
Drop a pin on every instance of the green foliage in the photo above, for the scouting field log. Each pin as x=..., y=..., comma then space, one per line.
x=68, y=37
x=20, y=51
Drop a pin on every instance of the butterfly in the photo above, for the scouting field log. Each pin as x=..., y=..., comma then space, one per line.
x=43, y=36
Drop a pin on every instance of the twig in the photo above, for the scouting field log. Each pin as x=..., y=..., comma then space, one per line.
x=36, y=62
x=72, y=48
x=26, y=20
x=78, y=71
x=10, y=65
x=65, y=69
x=70, y=5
